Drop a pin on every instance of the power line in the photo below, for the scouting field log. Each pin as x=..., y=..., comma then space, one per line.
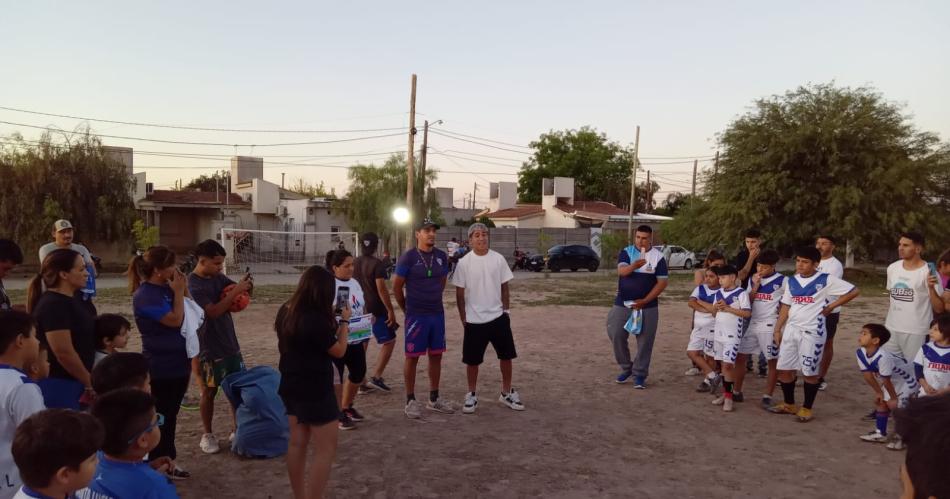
x=483, y=155
x=474, y=142
x=484, y=139
x=284, y=144
x=476, y=160
x=206, y=129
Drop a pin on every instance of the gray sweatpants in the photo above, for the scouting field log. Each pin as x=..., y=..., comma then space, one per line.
x=618, y=336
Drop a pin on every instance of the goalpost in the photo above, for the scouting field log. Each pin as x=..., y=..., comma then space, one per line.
x=280, y=252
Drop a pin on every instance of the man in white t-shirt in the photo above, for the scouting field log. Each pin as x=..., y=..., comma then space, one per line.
x=63, y=235
x=912, y=298
x=831, y=266
x=481, y=290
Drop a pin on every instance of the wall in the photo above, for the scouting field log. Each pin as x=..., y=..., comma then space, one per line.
x=264, y=197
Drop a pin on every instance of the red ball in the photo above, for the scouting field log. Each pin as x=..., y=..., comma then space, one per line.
x=240, y=302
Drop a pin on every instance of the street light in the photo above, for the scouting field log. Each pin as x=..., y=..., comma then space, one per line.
x=401, y=215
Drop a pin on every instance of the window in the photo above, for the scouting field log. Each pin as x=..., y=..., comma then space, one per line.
x=335, y=237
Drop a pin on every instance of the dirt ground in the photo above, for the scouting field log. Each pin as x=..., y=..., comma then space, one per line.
x=582, y=435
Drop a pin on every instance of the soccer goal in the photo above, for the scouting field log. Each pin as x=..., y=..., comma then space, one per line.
x=280, y=252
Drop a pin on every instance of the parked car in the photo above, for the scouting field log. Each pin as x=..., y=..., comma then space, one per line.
x=677, y=256
x=535, y=263
x=572, y=256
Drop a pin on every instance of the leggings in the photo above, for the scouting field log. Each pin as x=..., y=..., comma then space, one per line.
x=355, y=360
x=168, y=394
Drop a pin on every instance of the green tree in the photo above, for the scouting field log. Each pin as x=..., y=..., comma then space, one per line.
x=822, y=158
x=375, y=191
x=145, y=237
x=600, y=168
x=674, y=202
x=208, y=183
x=302, y=186
x=77, y=181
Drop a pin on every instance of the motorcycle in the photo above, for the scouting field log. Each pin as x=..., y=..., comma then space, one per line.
x=521, y=260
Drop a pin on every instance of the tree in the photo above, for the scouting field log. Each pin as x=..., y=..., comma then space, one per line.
x=78, y=181
x=145, y=237
x=822, y=158
x=376, y=191
x=674, y=202
x=215, y=182
x=301, y=186
x=644, y=201
x=600, y=168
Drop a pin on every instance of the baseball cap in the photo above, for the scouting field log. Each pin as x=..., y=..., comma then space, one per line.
x=427, y=222
x=61, y=225
x=370, y=240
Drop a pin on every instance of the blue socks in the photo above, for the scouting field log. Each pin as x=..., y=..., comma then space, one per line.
x=881, y=421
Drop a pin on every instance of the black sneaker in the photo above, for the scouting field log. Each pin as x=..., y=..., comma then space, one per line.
x=353, y=414
x=346, y=423
x=871, y=416
x=177, y=473
x=379, y=385
x=763, y=373
x=703, y=387
x=737, y=397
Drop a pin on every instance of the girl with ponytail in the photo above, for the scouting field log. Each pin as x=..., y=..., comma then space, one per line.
x=66, y=324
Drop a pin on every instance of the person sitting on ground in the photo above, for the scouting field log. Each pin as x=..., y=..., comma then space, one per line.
x=132, y=429
x=55, y=451
x=20, y=397
x=112, y=333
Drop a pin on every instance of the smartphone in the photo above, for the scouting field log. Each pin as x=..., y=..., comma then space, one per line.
x=342, y=297
x=933, y=270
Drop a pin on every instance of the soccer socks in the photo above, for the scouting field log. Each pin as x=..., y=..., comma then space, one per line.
x=433, y=395
x=410, y=397
x=811, y=391
x=727, y=389
x=880, y=419
x=788, y=392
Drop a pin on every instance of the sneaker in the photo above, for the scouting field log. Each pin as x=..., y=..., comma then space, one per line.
x=512, y=400
x=209, y=444
x=766, y=402
x=177, y=473
x=763, y=373
x=804, y=415
x=623, y=378
x=231, y=438
x=353, y=414
x=704, y=386
x=783, y=408
x=414, y=409
x=440, y=406
x=471, y=402
x=822, y=385
x=379, y=385
x=897, y=443
x=345, y=422
x=640, y=383
x=737, y=397
x=727, y=405
x=719, y=400
x=189, y=403
x=693, y=371
x=365, y=388
x=874, y=436
x=871, y=416
x=715, y=384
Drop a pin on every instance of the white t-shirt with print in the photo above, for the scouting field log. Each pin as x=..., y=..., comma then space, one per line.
x=832, y=266
x=357, y=302
x=20, y=398
x=910, y=311
x=482, y=277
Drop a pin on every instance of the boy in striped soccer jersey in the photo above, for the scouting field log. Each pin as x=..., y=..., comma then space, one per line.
x=732, y=308
x=701, y=348
x=766, y=288
x=888, y=374
x=800, y=330
x=932, y=363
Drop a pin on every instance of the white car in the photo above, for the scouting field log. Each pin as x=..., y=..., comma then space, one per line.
x=677, y=256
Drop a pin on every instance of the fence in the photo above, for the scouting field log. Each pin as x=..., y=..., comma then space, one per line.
x=505, y=241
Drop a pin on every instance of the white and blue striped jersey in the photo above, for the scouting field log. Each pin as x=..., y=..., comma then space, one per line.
x=730, y=325
x=704, y=294
x=808, y=296
x=886, y=364
x=933, y=364
x=767, y=298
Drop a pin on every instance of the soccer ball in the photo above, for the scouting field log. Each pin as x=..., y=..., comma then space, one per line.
x=240, y=302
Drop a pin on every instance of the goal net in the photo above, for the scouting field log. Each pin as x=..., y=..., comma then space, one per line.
x=280, y=252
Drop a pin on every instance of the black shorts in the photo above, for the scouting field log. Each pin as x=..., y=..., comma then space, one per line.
x=831, y=325
x=354, y=360
x=478, y=336
x=318, y=411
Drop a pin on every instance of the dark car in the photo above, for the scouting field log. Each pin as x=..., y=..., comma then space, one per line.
x=534, y=263
x=573, y=256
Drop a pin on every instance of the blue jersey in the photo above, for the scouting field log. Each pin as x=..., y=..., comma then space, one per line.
x=121, y=480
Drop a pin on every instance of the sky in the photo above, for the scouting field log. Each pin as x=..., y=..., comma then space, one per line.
x=502, y=72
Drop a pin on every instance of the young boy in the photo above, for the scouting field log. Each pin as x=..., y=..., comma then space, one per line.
x=220, y=353
x=132, y=429
x=20, y=397
x=765, y=291
x=732, y=308
x=121, y=370
x=701, y=348
x=888, y=374
x=39, y=369
x=112, y=333
x=800, y=330
x=932, y=364
x=55, y=451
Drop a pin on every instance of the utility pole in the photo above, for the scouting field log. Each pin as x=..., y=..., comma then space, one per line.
x=633, y=186
x=716, y=167
x=695, y=165
x=649, y=199
x=422, y=163
x=410, y=161
x=282, y=179
x=474, y=189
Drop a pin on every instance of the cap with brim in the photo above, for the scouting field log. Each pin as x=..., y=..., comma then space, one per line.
x=62, y=225
x=370, y=239
x=426, y=222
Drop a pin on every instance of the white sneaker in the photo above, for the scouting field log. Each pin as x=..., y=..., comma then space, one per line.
x=471, y=402
x=693, y=371
x=874, y=436
x=897, y=443
x=209, y=444
x=441, y=406
x=727, y=405
x=512, y=400
x=231, y=438
x=719, y=400
x=414, y=409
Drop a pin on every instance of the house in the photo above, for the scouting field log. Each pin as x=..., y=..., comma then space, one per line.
x=558, y=209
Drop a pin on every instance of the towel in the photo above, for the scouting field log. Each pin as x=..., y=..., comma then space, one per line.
x=194, y=319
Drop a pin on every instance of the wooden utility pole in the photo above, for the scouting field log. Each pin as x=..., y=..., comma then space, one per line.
x=422, y=163
x=282, y=179
x=633, y=186
x=474, y=189
x=649, y=199
x=410, y=161
x=716, y=167
x=695, y=165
